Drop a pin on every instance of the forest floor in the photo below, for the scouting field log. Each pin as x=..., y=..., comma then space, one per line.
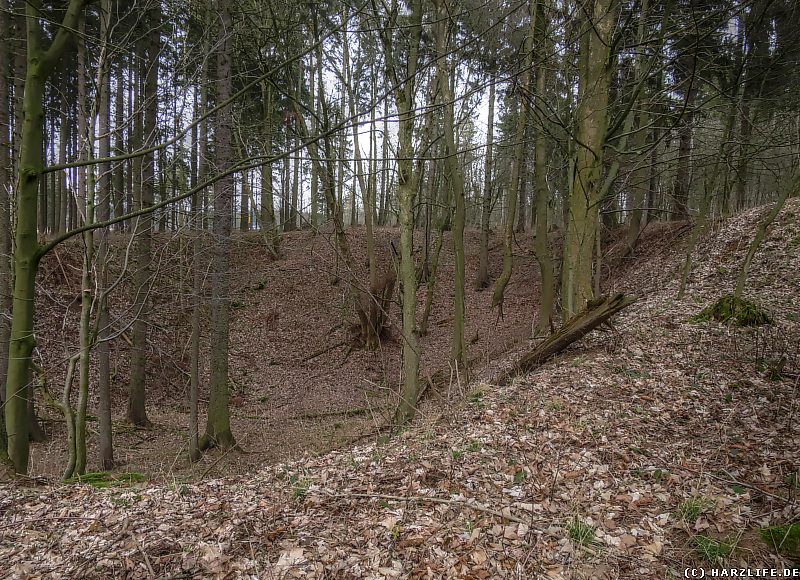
x=635, y=454
x=297, y=386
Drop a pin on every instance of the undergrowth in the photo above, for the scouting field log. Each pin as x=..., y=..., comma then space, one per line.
x=731, y=310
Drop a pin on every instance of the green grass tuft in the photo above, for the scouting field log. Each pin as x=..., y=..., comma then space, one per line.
x=712, y=550
x=580, y=532
x=693, y=508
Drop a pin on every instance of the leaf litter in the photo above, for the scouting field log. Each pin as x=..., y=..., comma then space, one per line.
x=608, y=462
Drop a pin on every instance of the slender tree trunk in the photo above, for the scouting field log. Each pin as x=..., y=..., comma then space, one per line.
x=6, y=283
x=150, y=49
x=105, y=442
x=683, y=173
x=197, y=172
x=63, y=198
x=639, y=176
x=482, y=280
x=404, y=96
x=384, y=166
x=268, y=225
x=516, y=167
x=761, y=233
x=118, y=175
x=455, y=176
x=218, y=428
x=244, y=216
x=541, y=246
x=313, y=69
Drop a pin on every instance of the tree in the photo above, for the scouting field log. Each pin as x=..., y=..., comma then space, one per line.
x=5, y=217
x=541, y=190
x=517, y=163
x=595, y=71
x=144, y=167
x=218, y=428
x=42, y=58
x=455, y=178
x=404, y=87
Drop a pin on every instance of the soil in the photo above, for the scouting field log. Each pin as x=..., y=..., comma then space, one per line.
x=297, y=385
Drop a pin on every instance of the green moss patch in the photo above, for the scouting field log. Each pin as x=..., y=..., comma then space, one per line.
x=732, y=310
x=783, y=539
x=104, y=479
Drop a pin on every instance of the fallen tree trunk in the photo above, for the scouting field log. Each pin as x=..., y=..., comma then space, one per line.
x=596, y=313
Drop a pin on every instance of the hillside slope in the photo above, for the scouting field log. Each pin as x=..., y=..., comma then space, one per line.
x=635, y=454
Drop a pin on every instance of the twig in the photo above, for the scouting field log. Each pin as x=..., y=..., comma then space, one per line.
x=323, y=350
x=146, y=557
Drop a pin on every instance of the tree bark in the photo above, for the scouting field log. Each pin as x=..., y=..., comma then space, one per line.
x=541, y=246
x=218, y=428
x=148, y=77
x=105, y=442
x=40, y=63
x=404, y=97
x=458, y=356
x=596, y=313
x=6, y=283
x=482, y=280
x=585, y=197
x=516, y=167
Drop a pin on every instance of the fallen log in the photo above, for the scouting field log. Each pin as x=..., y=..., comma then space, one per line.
x=596, y=313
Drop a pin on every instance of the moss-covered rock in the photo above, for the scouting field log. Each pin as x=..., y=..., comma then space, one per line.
x=783, y=539
x=732, y=310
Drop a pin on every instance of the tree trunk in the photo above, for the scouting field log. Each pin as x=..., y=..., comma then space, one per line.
x=596, y=313
x=516, y=167
x=541, y=246
x=404, y=96
x=761, y=233
x=268, y=225
x=40, y=63
x=455, y=176
x=683, y=174
x=148, y=78
x=6, y=283
x=218, y=428
x=197, y=174
x=482, y=281
x=105, y=442
x=118, y=175
x=586, y=194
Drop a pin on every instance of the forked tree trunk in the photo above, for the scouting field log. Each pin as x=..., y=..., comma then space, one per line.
x=404, y=81
x=761, y=233
x=458, y=356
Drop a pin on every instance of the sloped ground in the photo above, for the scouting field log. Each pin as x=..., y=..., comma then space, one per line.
x=619, y=459
x=296, y=387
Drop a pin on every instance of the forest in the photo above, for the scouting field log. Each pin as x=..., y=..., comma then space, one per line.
x=399, y=288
